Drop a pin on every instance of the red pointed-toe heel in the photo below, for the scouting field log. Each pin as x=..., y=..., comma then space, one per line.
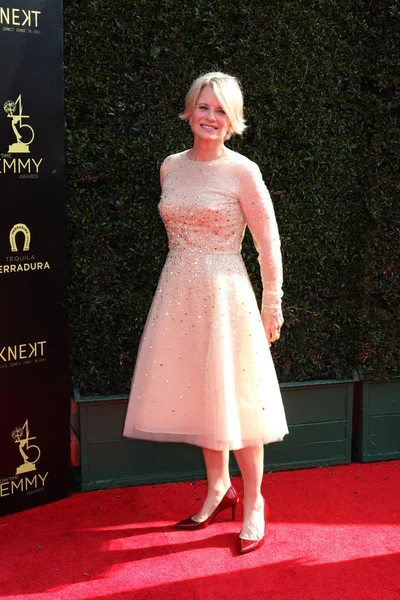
x=246, y=546
x=230, y=500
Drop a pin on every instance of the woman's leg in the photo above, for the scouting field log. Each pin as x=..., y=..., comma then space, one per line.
x=218, y=480
x=251, y=464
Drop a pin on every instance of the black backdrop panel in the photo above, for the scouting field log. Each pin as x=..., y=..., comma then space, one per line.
x=34, y=430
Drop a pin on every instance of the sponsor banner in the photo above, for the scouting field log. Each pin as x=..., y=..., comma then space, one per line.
x=34, y=428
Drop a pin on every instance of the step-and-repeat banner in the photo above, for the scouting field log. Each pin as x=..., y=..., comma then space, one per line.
x=34, y=417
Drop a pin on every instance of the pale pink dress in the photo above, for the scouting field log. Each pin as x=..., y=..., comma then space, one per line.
x=204, y=373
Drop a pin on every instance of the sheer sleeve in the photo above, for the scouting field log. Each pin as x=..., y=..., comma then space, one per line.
x=260, y=217
x=163, y=170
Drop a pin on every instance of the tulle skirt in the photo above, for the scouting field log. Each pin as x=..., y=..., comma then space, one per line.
x=204, y=373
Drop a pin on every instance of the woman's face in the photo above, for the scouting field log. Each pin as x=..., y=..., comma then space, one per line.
x=209, y=120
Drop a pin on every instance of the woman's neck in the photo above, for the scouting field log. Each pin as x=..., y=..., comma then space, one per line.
x=204, y=151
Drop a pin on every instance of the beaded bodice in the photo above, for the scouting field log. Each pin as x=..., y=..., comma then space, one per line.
x=201, y=209
x=206, y=206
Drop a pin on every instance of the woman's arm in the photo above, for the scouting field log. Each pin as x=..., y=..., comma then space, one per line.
x=260, y=217
x=162, y=174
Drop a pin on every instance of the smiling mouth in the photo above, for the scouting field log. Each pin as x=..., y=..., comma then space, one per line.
x=209, y=127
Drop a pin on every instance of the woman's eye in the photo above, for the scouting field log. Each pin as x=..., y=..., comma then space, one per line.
x=221, y=111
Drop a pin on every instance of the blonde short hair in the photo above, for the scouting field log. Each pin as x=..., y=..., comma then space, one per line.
x=227, y=90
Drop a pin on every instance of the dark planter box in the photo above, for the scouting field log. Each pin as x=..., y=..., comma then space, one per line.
x=109, y=460
x=320, y=422
x=319, y=415
x=377, y=420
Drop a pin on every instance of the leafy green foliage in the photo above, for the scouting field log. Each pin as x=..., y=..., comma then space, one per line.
x=321, y=85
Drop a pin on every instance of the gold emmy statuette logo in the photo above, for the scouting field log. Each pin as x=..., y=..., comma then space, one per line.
x=20, y=146
x=20, y=228
x=20, y=435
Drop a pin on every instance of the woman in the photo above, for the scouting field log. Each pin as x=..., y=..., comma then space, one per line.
x=204, y=373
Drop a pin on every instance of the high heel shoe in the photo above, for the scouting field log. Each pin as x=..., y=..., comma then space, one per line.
x=246, y=546
x=230, y=500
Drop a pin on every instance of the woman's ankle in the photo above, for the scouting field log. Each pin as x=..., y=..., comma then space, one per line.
x=254, y=502
x=218, y=488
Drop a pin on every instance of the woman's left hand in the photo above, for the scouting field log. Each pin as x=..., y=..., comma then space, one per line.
x=272, y=322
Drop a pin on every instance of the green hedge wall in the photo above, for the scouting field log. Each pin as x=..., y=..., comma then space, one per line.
x=321, y=84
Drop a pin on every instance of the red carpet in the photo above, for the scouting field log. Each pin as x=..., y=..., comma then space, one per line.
x=333, y=534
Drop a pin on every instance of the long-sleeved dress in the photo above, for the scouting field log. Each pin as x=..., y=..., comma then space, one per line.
x=204, y=373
